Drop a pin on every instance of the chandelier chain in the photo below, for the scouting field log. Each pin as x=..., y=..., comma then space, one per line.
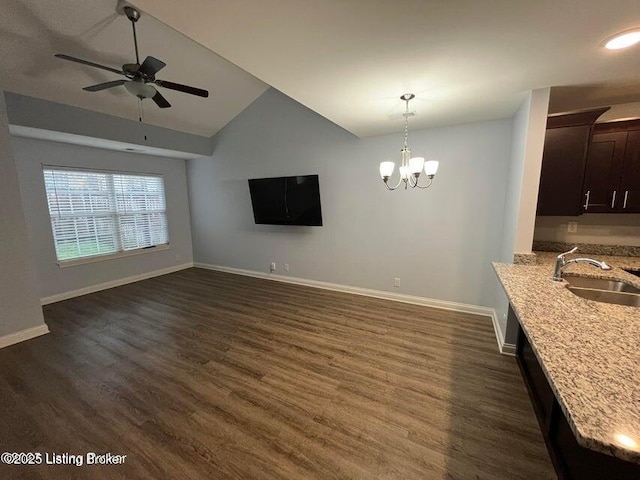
x=406, y=125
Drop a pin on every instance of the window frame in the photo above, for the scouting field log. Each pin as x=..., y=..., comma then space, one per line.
x=121, y=253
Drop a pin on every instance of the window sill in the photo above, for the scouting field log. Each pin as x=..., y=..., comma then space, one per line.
x=111, y=256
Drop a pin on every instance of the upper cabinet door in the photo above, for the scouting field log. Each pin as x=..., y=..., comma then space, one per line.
x=630, y=179
x=563, y=164
x=601, y=190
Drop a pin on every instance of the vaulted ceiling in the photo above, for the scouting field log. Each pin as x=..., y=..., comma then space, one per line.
x=348, y=60
x=32, y=31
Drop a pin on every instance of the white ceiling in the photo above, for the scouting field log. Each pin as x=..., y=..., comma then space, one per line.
x=32, y=31
x=622, y=95
x=618, y=113
x=350, y=60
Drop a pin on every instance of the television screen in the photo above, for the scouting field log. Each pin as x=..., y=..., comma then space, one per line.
x=286, y=200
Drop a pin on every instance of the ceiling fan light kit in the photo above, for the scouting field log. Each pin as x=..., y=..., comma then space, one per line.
x=140, y=89
x=410, y=167
x=139, y=78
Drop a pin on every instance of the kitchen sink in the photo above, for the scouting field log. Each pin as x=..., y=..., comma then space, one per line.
x=607, y=296
x=601, y=284
x=634, y=272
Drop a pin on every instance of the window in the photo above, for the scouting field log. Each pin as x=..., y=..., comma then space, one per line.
x=99, y=213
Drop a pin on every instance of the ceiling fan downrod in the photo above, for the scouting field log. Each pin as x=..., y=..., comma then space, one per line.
x=133, y=15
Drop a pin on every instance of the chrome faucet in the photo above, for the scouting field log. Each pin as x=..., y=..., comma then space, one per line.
x=561, y=263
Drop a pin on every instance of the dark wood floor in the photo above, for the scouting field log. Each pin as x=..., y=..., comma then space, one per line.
x=205, y=375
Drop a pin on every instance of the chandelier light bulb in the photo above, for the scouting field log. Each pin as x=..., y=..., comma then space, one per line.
x=416, y=164
x=404, y=172
x=431, y=167
x=386, y=169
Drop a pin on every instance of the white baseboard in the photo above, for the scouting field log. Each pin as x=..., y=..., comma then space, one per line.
x=505, y=348
x=114, y=283
x=23, y=335
x=396, y=297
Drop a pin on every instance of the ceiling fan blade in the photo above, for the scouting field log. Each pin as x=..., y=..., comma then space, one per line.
x=160, y=100
x=182, y=88
x=91, y=64
x=151, y=66
x=104, y=86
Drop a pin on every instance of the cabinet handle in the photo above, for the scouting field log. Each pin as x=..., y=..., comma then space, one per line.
x=586, y=204
x=626, y=194
x=613, y=200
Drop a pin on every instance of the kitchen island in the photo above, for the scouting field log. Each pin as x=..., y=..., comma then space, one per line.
x=581, y=362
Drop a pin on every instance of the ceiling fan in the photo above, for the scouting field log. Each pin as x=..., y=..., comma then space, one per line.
x=140, y=78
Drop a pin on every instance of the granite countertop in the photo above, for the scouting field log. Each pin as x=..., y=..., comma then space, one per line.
x=589, y=351
x=619, y=262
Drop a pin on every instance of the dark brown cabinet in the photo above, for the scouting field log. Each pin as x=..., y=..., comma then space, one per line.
x=629, y=200
x=612, y=173
x=540, y=388
x=601, y=190
x=563, y=163
x=589, y=168
x=566, y=147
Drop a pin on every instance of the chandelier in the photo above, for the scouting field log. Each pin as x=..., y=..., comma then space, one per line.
x=410, y=168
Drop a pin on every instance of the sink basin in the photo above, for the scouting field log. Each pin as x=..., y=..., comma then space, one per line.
x=634, y=272
x=607, y=296
x=601, y=284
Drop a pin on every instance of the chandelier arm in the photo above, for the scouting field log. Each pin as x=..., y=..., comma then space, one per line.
x=386, y=184
x=425, y=186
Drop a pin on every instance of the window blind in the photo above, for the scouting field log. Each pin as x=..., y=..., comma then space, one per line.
x=98, y=213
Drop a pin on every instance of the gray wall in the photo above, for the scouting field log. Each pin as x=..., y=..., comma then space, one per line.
x=511, y=211
x=19, y=301
x=514, y=180
x=43, y=114
x=525, y=163
x=52, y=280
x=439, y=241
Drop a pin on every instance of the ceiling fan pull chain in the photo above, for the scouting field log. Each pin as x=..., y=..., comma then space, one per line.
x=141, y=114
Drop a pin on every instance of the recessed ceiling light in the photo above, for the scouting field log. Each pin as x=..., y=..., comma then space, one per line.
x=623, y=40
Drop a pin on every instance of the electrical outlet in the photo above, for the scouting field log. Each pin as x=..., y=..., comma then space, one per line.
x=286, y=267
x=396, y=282
x=273, y=266
x=572, y=227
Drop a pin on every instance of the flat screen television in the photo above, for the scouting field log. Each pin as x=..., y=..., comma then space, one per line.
x=286, y=200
